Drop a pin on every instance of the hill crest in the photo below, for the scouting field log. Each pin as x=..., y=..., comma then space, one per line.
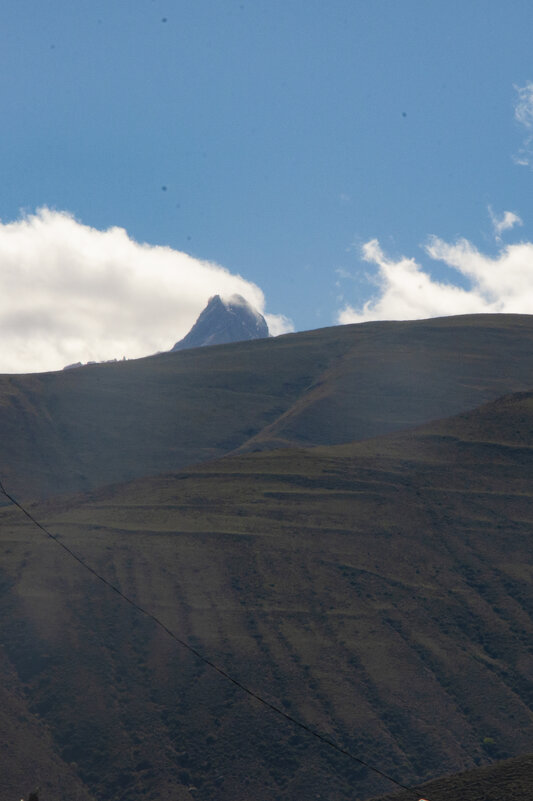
x=79, y=429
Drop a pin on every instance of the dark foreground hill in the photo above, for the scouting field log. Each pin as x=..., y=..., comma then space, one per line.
x=381, y=591
x=80, y=429
x=510, y=780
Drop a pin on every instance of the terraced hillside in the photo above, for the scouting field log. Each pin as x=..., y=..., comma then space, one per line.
x=380, y=590
x=79, y=429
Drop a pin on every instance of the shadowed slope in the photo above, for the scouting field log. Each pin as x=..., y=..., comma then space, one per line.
x=381, y=591
x=29, y=755
x=511, y=780
x=79, y=429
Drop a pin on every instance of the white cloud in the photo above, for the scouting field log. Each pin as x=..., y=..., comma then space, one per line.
x=72, y=293
x=278, y=324
x=524, y=115
x=407, y=292
x=507, y=221
x=524, y=106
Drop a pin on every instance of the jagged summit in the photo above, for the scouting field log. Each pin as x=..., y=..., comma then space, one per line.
x=223, y=321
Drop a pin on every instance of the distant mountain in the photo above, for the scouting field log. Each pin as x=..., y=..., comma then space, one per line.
x=224, y=321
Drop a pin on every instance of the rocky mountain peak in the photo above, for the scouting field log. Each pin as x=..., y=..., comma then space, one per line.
x=225, y=320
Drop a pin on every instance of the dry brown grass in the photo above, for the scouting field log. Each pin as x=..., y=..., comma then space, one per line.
x=380, y=590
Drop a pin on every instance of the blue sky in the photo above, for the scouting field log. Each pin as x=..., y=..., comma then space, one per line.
x=273, y=138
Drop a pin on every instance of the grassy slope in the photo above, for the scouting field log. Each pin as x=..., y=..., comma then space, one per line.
x=79, y=429
x=401, y=374
x=29, y=755
x=381, y=590
x=73, y=430
x=510, y=780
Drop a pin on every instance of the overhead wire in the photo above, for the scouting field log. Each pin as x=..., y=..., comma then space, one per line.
x=300, y=724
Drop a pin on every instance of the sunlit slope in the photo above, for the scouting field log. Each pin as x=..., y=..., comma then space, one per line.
x=83, y=428
x=382, y=591
x=400, y=374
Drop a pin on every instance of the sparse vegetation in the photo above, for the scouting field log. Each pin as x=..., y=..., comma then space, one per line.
x=379, y=590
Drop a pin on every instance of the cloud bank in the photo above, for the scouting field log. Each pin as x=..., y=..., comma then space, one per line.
x=72, y=293
x=408, y=292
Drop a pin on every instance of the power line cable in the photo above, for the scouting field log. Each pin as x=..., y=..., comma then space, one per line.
x=203, y=658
